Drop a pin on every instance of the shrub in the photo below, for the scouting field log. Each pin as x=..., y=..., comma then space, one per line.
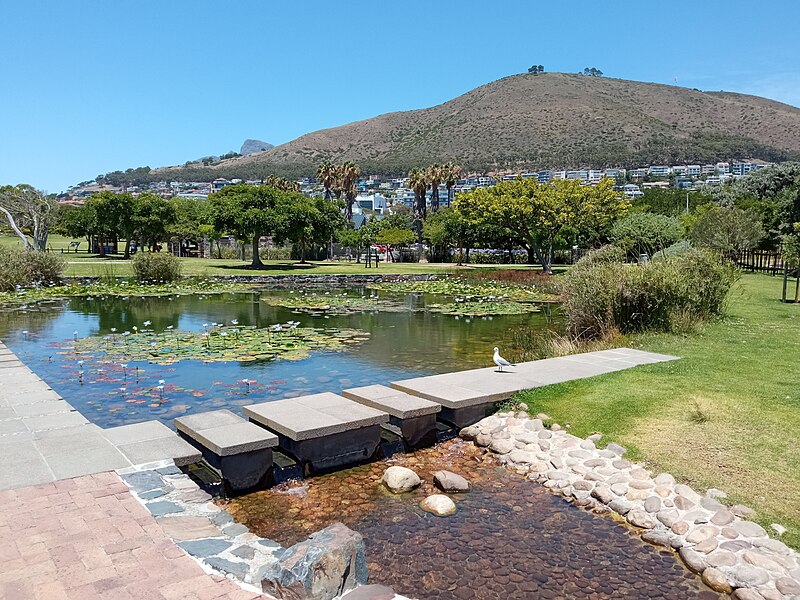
x=27, y=268
x=156, y=267
x=729, y=231
x=601, y=298
x=646, y=232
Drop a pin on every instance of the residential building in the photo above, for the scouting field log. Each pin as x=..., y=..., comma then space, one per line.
x=694, y=170
x=638, y=173
x=659, y=170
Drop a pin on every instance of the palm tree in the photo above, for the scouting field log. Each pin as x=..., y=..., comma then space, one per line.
x=327, y=175
x=350, y=172
x=282, y=184
x=435, y=173
x=452, y=173
x=418, y=182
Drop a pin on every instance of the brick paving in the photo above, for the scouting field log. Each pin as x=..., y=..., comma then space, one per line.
x=87, y=538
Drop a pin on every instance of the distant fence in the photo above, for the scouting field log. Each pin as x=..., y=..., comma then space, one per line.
x=761, y=261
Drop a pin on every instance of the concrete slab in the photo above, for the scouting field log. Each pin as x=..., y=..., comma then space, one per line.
x=38, y=409
x=151, y=441
x=12, y=427
x=396, y=403
x=56, y=421
x=23, y=465
x=225, y=433
x=33, y=397
x=313, y=416
x=77, y=451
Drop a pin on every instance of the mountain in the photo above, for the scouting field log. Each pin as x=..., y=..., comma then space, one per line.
x=253, y=146
x=536, y=121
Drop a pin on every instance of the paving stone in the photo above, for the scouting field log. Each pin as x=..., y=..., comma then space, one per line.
x=239, y=569
x=391, y=401
x=163, y=507
x=245, y=552
x=235, y=529
x=222, y=518
x=144, y=481
x=153, y=494
x=205, y=547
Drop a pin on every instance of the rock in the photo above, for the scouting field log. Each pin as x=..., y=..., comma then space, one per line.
x=668, y=517
x=716, y=580
x=620, y=489
x=328, y=563
x=621, y=463
x=747, y=576
x=555, y=427
x=696, y=516
x=652, y=504
x=234, y=567
x=664, y=479
x=620, y=506
x=163, y=507
x=707, y=546
x=594, y=437
x=683, y=503
x=759, y=559
x=657, y=538
x=522, y=457
x=594, y=462
x=721, y=558
x=680, y=527
x=469, y=433
x=235, y=529
x=711, y=504
x=776, y=546
x=602, y=493
x=489, y=423
x=641, y=484
x=698, y=534
x=636, y=495
x=527, y=437
x=722, y=517
x=205, y=547
x=778, y=529
x=787, y=586
x=483, y=440
x=770, y=594
x=439, y=504
x=663, y=490
x=400, y=479
x=642, y=474
x=735, y=545
x=749, y=529
x=715, y=493
x=729, y=532
x=740, y=510
x=746, y=594
x=450, y=482
x=534, y=425
x=640, y=518
x=692, y=559
x=616, y=449
x=245, y=552
x=543, y=417
x=687, y=492
x=583, y=485
x=501, y=446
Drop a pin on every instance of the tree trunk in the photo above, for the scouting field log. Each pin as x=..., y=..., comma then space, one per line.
x=434, y=199
x=127, y=248
x=531, y=255
x=256, y=264
x=17, y=230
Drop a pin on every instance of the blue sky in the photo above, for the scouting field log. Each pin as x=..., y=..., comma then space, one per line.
x=89, y=86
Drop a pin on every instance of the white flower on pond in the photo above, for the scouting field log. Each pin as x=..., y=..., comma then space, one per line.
x=147, y=323
x=113, y=330
x=126, y=333
x=234, y=322
x=135, y=328
x=169, y=326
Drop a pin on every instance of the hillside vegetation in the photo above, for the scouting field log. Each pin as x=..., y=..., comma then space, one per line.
x=537, y=121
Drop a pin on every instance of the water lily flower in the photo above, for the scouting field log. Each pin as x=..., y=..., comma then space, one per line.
x=113, y=330
x=234, y=322
x=135, y=328
x=169, y=326
x=126, y=333
x=147, y=323
x=161, y=381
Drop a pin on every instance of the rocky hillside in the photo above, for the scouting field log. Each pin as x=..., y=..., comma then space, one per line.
x=546, y=120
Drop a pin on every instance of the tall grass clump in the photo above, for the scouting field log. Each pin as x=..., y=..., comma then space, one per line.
x=603, y=296
x=27, y=268
x=156, y=267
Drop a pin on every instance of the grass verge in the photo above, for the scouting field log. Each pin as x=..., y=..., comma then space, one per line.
x=726, y=416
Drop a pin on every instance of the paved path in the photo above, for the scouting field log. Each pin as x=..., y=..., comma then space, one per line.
x=43, y=438
x=88, y=538
x=483, y=386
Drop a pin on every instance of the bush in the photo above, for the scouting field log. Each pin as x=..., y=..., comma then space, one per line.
x=648, y=233
x=156, y=267
x=27, y=268
x=602, y=298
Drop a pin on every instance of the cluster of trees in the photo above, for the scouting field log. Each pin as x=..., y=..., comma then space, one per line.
x=592, y=72
x=536, y=69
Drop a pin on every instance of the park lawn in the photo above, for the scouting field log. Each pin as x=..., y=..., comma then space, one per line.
x=727, y=415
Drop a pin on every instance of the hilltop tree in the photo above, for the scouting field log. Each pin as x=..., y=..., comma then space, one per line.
x=28, y=209
x=592, y=72
x=536, y=69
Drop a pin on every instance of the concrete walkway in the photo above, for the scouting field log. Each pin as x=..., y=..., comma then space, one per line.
x=43, y=438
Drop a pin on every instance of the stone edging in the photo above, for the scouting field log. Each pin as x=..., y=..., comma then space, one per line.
x=733, y=555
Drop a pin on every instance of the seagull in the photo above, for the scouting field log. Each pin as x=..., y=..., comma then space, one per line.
x=500, y=361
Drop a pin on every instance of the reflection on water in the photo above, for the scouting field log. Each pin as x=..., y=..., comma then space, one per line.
x=401, y=345
x=511, y=538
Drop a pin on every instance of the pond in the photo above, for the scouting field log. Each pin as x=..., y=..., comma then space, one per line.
x=110, y=384
x=511, y=537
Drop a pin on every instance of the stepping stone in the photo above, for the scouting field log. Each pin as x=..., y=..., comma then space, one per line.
x=322, y=431
x=151, y=441
x=415, y=417
x=241, y=452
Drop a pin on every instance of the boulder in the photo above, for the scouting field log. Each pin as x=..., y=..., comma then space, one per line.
x=788, y=586
x=483, y=439
x=749, y=529
x=701, y=533
x=692, y=559
x=668, y=517
x=652, y=504
x=747, y=576
x=501, y=445
x=400, y=479
x=522, y=457
x=707, y=546
x=439, y=505
x=327, y=564
x=469, y=433
x=640, y=518
x=450, y=482
x=716, y=580
x=746, y=594
x=742, y=511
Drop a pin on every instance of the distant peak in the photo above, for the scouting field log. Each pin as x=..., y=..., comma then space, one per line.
x=252, y=146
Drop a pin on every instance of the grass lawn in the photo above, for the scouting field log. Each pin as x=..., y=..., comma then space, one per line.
x=726, y=416
x=83, y=264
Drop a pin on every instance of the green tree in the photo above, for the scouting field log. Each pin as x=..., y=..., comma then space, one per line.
x=309, y=221
x=645, y=232
x=114, y=218
x=349, y=173
x=729, y=231
x=248, y=212
x=153, y=216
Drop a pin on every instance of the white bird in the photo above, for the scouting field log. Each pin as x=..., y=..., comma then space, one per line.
x=500, y=361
